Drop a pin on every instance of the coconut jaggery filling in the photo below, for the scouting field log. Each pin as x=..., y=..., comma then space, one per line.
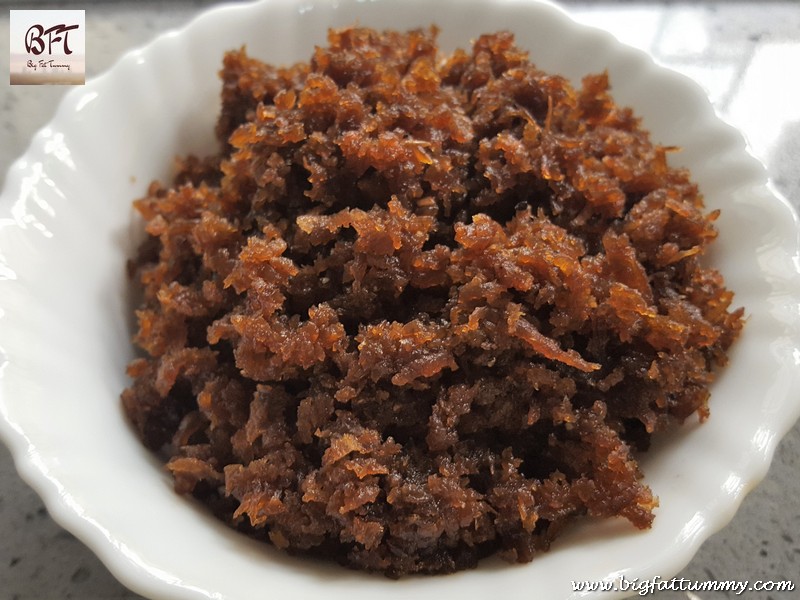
x=420, y=309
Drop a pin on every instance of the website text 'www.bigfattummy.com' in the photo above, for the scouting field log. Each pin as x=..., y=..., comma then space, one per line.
x=643, y=587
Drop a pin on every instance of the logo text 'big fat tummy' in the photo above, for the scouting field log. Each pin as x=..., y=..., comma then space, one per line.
x=47, y=47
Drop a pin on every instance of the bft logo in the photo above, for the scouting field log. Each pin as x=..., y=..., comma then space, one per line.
x=35, y=41
x=47, y=47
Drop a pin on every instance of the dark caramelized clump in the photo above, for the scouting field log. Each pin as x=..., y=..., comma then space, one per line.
x=421, y=309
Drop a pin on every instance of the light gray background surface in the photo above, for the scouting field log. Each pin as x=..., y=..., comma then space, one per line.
x=746, y=55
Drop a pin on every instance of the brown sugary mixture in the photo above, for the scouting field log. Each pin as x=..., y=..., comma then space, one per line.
x=421, y=309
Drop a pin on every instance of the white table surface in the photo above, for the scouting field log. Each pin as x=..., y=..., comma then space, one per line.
x=746, y=55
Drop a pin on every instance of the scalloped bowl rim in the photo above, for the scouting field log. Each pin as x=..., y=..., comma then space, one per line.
x=757, y=251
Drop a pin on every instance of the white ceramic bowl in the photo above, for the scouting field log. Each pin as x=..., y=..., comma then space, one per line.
x=66, y=229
